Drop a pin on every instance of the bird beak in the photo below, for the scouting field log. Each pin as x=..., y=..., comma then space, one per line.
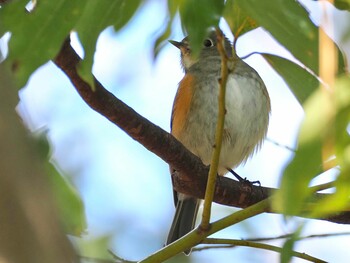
x=176, y=44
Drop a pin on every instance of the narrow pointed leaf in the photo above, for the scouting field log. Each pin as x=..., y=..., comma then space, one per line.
x=289, y=23
x=300, y=81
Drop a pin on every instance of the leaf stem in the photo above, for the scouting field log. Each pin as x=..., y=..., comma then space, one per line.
x=210, y=189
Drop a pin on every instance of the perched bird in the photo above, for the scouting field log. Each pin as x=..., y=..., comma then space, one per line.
x=195, y=112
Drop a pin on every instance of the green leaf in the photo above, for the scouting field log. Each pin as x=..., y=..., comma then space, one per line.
x=340, y=4
x=69, y=202
x=342, y=62
x=161, y=41
x=294, y=189
x=98, y=15
x=198, y=18
x=238, y=20
x=342, y=121
x=287, y=252
x=300, y=81
x=95, y=248
x=307, y=162
x=16, y=9
x=341, y=198
x=326, y=123
x=163, y=38
x=288, y=246
x=289, y=23
x=36, y=37
x=70, y=205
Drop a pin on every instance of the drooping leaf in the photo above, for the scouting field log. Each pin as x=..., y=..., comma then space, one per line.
x=300, y=81
x=289, y=23
x=36, y=37
x=341, y=198
x=238, y=20
x=288, y=246
x=95, y=248
x=197, y=18
x=70, y=205
x=163, y=38
x=342, y=121
x=307, y=162
x=326, y=123
x=161, y=41
x=287, y=254
x=96, y=16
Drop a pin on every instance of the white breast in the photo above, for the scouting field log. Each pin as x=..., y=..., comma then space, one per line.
x=246, y=120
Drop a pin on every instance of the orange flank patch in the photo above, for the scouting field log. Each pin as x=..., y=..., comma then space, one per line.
x=182, y=105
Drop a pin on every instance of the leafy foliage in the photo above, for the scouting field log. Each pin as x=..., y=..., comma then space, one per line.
x=37, y=36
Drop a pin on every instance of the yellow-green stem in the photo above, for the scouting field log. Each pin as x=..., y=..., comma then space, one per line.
x=209, y=193
x=195, y=237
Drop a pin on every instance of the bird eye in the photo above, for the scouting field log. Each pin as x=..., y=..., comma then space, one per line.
x=208, y=42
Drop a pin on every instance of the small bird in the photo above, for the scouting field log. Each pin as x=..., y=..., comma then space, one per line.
x=195, y=112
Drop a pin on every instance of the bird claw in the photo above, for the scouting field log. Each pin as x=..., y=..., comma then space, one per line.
x=243, y=180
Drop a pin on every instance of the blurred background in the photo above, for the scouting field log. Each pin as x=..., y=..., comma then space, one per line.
x=126, y=189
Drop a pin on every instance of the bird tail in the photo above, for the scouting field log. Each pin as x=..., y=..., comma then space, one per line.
x=184, y=219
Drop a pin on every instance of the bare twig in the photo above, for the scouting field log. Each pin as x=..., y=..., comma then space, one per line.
x=281, y=145
x=299, y=238
x=264, y=239
x=119, y=259
x=236, y=242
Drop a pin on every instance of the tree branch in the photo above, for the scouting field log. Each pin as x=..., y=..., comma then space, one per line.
x=192, y=174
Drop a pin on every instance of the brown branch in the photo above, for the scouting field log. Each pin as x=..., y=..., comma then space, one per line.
x=191, y=175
